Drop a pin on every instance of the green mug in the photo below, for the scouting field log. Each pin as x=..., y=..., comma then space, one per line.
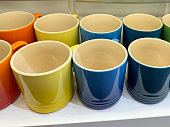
x=166, y=27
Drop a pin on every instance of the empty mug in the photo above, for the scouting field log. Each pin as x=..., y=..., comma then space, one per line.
x=166, y=27
x=9, y=90
x=58, y=27
x=43, y=72
x=137, y=26
x=100, y=66
x=17, y=26
x=149, y=70
x=98, y=26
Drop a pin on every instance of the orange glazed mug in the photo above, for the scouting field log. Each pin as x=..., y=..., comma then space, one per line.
x=9, y=90
x=17, y=26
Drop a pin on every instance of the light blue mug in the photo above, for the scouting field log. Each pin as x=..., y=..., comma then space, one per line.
x=100, y=26
x=138, y=25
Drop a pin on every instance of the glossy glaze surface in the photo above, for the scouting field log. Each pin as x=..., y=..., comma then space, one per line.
x=9, y=90
x=149, y=79
x=134, y=29
x=166, y=28
x=20, y=29
x=50, y=87
x=100, y=26
x=58, y=27
x=99, y=89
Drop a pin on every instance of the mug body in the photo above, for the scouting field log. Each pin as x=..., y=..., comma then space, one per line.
x=137, y=26
x=166, y=28
x=43, y=72
x=58, y=27
x=17, y=26
x=100, y=66
x=149, y=70
x=98, y=26
x=9, y=90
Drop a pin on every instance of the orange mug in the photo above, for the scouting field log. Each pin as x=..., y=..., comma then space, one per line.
x=17, y=26
x=9, y=90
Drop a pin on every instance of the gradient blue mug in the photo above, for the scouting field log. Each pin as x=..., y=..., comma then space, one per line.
x=100, y=26
x=100, y=66
x=137, y=26
x=149, y=70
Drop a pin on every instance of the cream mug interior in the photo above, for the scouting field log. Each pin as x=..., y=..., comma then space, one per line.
x=166, y=19
x=40, y=57
x=5, y=50
x=142, y=22
x=100, y=23
x=150, y=52
x=15, y=20
x=56, y=22
x=99, y=54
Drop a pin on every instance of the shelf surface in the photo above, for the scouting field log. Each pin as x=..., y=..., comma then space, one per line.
x=18, y=114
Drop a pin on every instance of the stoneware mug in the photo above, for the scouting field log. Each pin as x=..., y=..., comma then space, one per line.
x=98, y=26
x=100, y=66
x=43, y=72
x=58, y=27
x=137, y=26
x=9, y=90
x=149, y=70
x=17, y=26
x=166, y=27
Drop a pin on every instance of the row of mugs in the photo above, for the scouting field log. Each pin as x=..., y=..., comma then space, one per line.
x=43, y=71
x=65, y=27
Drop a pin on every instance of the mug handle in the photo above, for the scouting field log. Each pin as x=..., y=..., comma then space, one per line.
x=37, y=15
x=15, y=46
x=76, y=16
x=115, y=39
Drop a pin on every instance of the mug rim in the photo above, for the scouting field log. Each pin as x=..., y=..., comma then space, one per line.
x=101, y=32
x=163, y=20
x=33, y=18
x=105, y=70
x=5, y=42
x=135, y=41
x=42, y=73
x=63, y=31
x=142, y=30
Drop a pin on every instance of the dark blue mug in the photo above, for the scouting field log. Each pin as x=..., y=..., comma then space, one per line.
x=100, y=26
x=100, y=66
x=149, y=70
x=137, y=26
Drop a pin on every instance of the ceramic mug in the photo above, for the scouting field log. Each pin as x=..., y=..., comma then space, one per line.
x=100, y=66
x=166, y=27
x=137, y=26
x=17, y=26
x=43, y=72
x=9, y=90
x=98, y=26
x=58, y=27
x=149, y=70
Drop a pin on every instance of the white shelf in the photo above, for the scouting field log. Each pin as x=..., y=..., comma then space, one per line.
x=18, y=114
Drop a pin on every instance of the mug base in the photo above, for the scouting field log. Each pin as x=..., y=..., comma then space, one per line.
x=51, y=108
x=9, y=100
x=145, y=99
x=99, y=105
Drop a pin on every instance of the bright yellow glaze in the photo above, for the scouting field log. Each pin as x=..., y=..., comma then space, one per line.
x=47, y=93
x=69, y=37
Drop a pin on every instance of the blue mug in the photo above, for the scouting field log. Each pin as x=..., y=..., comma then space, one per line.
x=100, y=26
x=149, y=70
x=137, y=26
x=100, y=66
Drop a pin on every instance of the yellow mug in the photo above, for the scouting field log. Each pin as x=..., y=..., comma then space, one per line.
x=44, y=74
x=58, y=27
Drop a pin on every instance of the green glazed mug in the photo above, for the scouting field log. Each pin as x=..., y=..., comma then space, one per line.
x=166, y=27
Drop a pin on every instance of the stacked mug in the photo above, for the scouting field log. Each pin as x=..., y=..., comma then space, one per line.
x=44, y=70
